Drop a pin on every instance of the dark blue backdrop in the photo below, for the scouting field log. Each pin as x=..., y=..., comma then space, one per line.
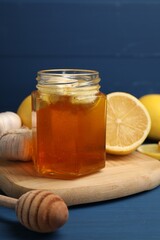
x=120, y=39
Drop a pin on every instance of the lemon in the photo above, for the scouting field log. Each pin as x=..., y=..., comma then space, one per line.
x=25, y=112
x=152, y=103
x=128, y=123
x=151, y=150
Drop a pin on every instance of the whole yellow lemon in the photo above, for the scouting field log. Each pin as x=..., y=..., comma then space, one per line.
x=152, y=103
x=25, y=112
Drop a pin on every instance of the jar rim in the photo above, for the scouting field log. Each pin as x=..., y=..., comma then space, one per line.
x=68, y=78
x=75, y=72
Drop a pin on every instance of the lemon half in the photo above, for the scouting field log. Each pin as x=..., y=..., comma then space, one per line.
x=152, y=103
x=128, y=123
x=25, y=112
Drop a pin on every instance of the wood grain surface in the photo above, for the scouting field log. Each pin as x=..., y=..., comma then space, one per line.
x=122, y=176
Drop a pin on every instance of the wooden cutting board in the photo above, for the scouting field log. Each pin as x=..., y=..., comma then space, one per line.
x=121, y=177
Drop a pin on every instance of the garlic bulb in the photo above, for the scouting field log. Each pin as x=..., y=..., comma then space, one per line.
x=16, y=145
x=8, y=121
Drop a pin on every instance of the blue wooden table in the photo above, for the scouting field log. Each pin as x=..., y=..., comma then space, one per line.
x=135, y=217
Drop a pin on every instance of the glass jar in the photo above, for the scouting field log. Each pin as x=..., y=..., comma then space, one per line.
x=69, y=123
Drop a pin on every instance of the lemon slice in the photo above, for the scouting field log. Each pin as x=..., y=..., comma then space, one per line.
x=151, y=150
x=128, y=123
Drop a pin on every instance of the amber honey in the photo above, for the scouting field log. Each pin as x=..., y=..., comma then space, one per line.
x=69, y=136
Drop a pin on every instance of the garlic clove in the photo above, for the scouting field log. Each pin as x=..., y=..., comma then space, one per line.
x=8, y=121
x=16, y=145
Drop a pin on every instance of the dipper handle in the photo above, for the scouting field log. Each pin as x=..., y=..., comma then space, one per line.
x=8, y=201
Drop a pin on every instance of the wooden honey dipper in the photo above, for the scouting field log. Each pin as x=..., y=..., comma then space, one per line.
x=38, y=210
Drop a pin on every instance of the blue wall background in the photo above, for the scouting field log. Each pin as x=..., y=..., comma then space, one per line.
x=120, y=39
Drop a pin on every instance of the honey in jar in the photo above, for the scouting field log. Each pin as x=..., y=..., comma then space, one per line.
x=69, y=123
